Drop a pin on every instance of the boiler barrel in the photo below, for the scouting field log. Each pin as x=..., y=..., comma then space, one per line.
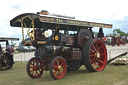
x=48, y=50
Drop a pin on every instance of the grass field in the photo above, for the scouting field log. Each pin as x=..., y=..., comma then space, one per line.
x=112, y=75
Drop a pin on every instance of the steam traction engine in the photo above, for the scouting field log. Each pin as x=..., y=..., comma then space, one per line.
x=112, y=40
x=6, y=57
x=62, y=44
x=118, y=40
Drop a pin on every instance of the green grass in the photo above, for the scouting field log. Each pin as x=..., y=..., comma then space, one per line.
x=112, y=75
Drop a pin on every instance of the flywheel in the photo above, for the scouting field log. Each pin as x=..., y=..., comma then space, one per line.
x=83, y=36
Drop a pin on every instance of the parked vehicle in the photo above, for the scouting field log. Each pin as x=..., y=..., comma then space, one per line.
x=22, y=49
x=31, y=48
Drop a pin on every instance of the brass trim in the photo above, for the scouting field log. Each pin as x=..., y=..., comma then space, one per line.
x=41, y=42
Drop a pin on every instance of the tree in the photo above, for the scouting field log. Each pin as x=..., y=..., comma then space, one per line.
x=119, y=32
x=127, y=34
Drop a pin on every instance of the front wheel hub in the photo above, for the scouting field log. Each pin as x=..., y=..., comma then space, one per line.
x=98, y=55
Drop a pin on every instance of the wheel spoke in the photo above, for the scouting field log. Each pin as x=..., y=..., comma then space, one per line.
x=31, y=65
x=55, y=66
x=31, y=70
x=98, y=65
x=96, y=44
x=93, y=65
x=100, y=48
x=102, y=54
x=92, y=55
x=101, y=61
x=57, y=62
x=92, y=60
x=61, y=64
x=36, y=73
x=92, y=50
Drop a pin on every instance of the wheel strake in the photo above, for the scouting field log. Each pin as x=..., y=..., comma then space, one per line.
x=34, y=69
x=95, y=55
x=58, y=68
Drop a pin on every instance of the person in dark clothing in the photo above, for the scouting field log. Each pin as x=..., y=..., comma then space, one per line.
x=100, y=34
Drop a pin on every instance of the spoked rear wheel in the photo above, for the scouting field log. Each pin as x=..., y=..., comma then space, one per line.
x=34, y=68
x=94, y=55
x=7, y=61
x=118, y=42
x=58, y=68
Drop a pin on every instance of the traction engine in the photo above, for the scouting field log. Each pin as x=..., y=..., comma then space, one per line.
x=62, y=44
x=117, y=40
x=61, y=52
x=6, y=57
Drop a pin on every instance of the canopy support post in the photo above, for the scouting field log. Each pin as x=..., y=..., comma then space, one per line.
x=22, y=31
x=33, y=29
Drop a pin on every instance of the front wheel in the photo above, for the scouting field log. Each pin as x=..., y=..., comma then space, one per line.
x=34, y=68
x=94, y=55
x=58, y=67
x=123, y=42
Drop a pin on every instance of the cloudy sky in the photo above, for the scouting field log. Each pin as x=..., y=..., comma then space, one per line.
x=104, y=11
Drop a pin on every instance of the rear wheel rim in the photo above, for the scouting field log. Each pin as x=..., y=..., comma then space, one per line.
x=95, y=55
x=98, y=55
x=58, y=68
x=34, y=69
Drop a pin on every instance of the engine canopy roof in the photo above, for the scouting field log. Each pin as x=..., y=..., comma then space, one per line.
x=52, y=20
